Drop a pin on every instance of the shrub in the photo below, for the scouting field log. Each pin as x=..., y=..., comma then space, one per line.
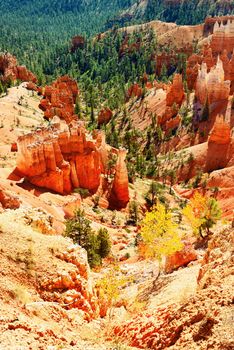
x=98, y=246
x=82, y=191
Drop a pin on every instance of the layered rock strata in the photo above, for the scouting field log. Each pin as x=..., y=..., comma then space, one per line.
x=212, y=86
x=72, y=288
x=223, y=37
x=61, y=158
x=221, y=44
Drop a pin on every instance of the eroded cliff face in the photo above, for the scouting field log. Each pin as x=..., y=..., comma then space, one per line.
x=11, y=71
x=212, y=86
x=61, y=158
x=214, y=158
x=223, y=37
x=59, y=99
x=200, y=322
x=220, y=45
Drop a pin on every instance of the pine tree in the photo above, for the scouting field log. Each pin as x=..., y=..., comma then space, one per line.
x=2, y=90
x=206, y=111
x=78, y=107
x=103, y=238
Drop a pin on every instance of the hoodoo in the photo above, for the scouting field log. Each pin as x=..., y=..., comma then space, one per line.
x=61, y=158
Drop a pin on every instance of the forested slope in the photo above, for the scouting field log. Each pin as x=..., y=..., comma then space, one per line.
x=179, y=11
x=36, y=31
x=39, y=32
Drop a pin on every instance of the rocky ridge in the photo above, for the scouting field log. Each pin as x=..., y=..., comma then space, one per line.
x=11, y=71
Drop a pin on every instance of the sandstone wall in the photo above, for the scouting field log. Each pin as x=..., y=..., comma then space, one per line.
x=61, y=158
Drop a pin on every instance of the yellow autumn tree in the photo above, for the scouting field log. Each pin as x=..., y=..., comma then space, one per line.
x=202, y=212
x=160, y=234
x=109, y=287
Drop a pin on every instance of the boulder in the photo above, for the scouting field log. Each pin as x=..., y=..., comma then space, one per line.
x=8, y=200
x=181, y=258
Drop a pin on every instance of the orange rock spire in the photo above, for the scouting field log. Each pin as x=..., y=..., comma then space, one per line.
x=61, y=158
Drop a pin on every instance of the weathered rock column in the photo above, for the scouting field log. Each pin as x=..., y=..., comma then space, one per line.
x=119, y=197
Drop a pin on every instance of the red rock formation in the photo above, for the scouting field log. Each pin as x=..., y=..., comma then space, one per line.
x=209, y=156
x=221, y=133
x=78, y=42
x=61, y=158
x=175, y=95
x=119, y=197
x=173, y=123
x=207, y=57
x=212, y=86
x=8, y=200
x=11, y=71
x=221, y=44
x=134, y=91
x=32, y=86
x=59, y=99
x=214, y=157
x=223, y=37
x=193, y=65
x=14, y=147
x=104, y=116
x=182, y=258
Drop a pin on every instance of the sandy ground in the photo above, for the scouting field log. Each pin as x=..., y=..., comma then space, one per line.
x=19, y=113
